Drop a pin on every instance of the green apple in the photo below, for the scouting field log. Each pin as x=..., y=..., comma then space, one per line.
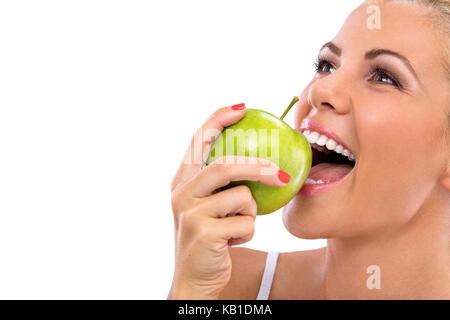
x=263, y=135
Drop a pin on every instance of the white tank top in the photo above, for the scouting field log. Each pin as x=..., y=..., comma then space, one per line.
x=269, y=271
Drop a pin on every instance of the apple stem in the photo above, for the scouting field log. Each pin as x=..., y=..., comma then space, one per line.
x=294, y=101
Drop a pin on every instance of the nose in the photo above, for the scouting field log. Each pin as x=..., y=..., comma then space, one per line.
x=331, y=93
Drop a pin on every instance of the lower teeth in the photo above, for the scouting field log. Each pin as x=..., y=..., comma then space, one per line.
x=311, y=181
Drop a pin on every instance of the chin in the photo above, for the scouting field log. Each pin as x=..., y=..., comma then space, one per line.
x=308, y=224
x=307, y=221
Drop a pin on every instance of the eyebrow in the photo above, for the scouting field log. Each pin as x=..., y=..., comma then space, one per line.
x=333, y=48
x=372, y=54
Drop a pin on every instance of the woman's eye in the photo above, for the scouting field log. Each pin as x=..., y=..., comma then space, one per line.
x=384, y=79
x=382, y=76
x=324, y=67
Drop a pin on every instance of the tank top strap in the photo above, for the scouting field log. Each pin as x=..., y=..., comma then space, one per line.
x=269, y=271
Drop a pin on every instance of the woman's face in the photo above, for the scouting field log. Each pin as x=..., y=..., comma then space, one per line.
x=385, y=93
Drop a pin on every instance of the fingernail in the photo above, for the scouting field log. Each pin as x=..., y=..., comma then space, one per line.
x=238, y=107
x=284, y=176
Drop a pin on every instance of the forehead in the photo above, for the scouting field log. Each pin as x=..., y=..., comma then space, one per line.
x=403, y=28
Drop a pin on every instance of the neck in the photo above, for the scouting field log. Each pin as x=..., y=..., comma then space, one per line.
x=412, y=262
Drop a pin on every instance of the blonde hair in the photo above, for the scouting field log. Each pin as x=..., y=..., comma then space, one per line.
x=441, y=8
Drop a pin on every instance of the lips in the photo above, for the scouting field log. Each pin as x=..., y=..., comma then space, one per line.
x=313, y=125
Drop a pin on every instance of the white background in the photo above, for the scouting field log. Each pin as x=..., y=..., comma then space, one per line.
x=98, y=101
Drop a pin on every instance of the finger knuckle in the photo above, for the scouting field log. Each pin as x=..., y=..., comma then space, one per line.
x=187, y=220
x=246, y=196
x=193, y=219
x=249, y=224
x=251, y=231
x=244, y=192
x=176, y=198
x=253, y=208
x=220, y=164
x=221, y=169
x=203, y=234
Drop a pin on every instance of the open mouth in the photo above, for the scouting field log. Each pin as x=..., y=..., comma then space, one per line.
x=332, y=159
x=330, y=162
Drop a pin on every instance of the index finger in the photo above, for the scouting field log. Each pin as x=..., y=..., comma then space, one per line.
x=200, y=145
x=235, y=168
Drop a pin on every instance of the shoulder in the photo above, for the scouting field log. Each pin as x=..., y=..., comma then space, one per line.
x=246, y=273
x=297, y=274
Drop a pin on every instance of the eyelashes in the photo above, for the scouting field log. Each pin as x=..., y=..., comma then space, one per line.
x=321, y=64
x=377, y=73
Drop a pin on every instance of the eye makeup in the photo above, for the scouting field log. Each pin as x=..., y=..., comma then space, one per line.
x=379, y=73
x=388, y=70
x=382, y=75
x=323, y=66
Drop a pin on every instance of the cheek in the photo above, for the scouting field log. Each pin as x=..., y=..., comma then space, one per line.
x=398, y=162
x=403, y=141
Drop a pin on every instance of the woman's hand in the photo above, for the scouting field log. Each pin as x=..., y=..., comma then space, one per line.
x=208, y=223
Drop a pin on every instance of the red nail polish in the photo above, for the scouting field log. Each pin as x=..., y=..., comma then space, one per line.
x=284, y=176
x=238, y=107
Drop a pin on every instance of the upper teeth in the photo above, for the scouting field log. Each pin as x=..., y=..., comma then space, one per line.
x=322, y=140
